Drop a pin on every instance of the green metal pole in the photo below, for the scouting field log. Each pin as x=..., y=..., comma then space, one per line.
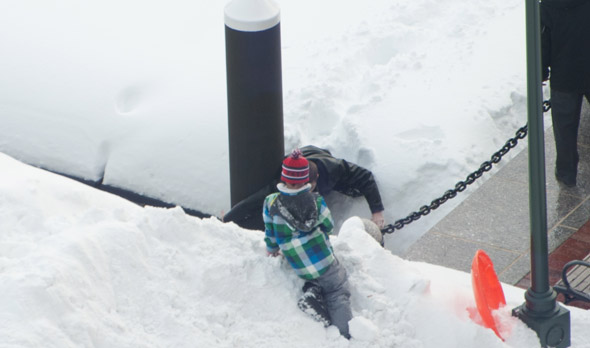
x=537, y=193
x=540, y=312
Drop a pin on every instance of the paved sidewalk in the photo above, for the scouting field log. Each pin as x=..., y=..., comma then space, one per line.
x=495, y=217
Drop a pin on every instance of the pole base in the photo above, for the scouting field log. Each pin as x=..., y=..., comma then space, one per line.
x=553, y=329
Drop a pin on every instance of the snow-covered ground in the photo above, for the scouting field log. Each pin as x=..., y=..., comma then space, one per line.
x=133, y=92
x=421, y=92
x=84, y=268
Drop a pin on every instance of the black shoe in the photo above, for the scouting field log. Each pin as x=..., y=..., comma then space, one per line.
x=312, y=303
x=566, y=180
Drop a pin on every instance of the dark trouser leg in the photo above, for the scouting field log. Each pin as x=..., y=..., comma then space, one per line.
x=248, y=213
x=334, y=284
x=565, y=114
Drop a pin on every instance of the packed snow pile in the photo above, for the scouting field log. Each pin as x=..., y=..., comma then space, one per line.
x=133, y=93
x=83, y=268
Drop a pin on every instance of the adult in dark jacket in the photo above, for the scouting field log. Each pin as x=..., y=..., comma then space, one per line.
x=333, y=174
x=565, y=35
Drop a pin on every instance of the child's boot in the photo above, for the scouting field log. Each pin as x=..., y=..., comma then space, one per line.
x=312, y=303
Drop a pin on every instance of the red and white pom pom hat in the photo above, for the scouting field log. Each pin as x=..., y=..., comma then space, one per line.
x=295, y=168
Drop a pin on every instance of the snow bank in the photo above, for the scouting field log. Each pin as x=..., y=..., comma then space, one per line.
x=80, y=267
x=418, y=91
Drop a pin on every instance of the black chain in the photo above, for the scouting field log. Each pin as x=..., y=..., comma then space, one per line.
x=462, y=185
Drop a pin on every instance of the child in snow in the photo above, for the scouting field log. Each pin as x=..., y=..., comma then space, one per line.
x=298, y=222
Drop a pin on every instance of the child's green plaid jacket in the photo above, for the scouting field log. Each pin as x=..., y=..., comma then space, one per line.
x=309, y=253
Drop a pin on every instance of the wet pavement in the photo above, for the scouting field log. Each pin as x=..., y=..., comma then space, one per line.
x=495, y=218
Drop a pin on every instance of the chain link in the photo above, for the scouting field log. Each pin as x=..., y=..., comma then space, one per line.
x=462, y=185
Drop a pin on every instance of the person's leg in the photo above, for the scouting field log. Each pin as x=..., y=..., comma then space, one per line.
x=565, y=114
x=334, y=284
x=248, y=212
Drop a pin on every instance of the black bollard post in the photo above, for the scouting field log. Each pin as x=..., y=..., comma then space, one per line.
x=254, y=95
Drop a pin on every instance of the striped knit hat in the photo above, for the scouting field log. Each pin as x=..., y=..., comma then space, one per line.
x=295, y=168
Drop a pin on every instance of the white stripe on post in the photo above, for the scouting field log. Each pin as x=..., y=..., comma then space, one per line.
x=252, y=15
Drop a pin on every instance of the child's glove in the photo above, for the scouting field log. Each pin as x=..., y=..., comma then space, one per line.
x=272, y=253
